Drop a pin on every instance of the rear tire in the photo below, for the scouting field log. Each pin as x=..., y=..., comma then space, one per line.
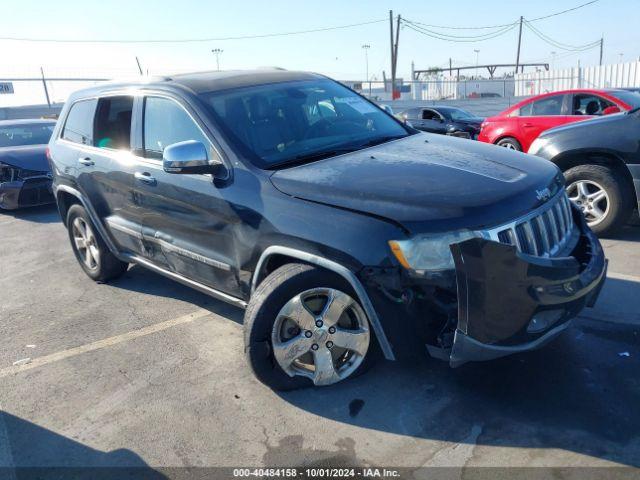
x=264, y=320
x=92, y=253
x=509, y=143
x=605, y=212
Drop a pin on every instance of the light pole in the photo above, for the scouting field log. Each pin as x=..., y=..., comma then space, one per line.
x=366, y=48
x=553, y=60
x=477, y=55
x=217, y=52
x=621, y=55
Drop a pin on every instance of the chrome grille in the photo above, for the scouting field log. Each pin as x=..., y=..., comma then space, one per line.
x=544, y=232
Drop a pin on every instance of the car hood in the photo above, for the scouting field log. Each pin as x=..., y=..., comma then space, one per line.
x=471, y=121
x=30, y=157
x=427, y=183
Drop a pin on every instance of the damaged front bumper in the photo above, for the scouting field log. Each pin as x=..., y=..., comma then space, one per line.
x=510, y=302
x=26, y=193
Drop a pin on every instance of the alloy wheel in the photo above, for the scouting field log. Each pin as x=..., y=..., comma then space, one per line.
x=591, y=198
x=322, y=334
x=85, y=242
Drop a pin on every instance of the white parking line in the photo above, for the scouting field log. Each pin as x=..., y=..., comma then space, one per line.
x=107, y=342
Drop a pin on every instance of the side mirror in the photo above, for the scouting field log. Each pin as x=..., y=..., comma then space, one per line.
x=188, y=157
x=611, y=109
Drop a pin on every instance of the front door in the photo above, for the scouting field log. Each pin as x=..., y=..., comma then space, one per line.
x=187, y=225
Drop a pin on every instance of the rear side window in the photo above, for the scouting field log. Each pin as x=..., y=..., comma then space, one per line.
x=166, y=123
x=78, y=127
x=113, y=123
x=547, y=106
x=587, y=104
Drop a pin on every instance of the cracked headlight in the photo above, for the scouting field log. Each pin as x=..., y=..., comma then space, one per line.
x=429, y=252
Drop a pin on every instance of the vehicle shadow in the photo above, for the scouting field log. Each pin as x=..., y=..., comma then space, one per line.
x=579, y=393
x=629, y=232
x=30, y=451
x=142, y=280
x=40, y=214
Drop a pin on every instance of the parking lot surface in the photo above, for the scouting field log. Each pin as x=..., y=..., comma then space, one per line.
x=144, y=371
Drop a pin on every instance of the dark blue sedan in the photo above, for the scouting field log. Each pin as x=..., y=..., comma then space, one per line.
x=25, y=175
x=451, y=121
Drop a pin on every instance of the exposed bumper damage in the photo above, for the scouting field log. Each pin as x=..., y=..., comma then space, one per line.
x=500, y=302
x=510, y=302
x=25, y=193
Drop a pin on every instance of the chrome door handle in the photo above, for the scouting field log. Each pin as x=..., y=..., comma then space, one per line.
x=144, y=178
x=86, y=161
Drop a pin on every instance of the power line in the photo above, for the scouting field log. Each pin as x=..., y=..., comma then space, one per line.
x=458, y=39
x=558, y=44
x=564, y=11
x=192, y=40
x=487, y=27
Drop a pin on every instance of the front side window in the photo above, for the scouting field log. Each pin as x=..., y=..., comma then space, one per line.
x=78, y=127
x=18, y=135
x=587, y=104
x=166, y=123
x=113, y=123
x=430, y=115
x=294, y=122
x=547, y=106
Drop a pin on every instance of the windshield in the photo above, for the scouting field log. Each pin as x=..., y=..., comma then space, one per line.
x=19, y=135
x=457, y=114
x=630, y=98
x=294, y=122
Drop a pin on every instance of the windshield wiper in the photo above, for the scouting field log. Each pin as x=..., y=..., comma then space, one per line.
x=310, y=157
x=380, y=140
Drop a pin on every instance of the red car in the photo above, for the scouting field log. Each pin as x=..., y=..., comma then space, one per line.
x=518, y=126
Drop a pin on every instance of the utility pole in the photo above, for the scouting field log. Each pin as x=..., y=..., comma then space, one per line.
x=395, y=56
x=519, y=43
x=601, y=48
x=477, y=55
x=217, y=52
x=450, y=66
x=46, y=90
x=393, y=70
x=366, y=47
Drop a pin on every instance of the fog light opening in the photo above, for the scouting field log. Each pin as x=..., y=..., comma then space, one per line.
x=544, y=320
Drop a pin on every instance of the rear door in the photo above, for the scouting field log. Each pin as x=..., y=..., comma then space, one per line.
x=187, y=224
x=95, y=144
x=541, y=115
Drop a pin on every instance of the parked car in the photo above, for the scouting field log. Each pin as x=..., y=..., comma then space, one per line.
x=518, y=126
x=25, y=176
x=342, y=231
x=444, y=120
x=601, y=163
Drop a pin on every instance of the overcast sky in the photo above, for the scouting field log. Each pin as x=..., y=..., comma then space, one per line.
x=337, y=53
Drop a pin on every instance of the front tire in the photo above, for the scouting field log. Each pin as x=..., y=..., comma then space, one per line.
x=92, y=253
x=603, y=195
x=303, y=327
x=509, y=143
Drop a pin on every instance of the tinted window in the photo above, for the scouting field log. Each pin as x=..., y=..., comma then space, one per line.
x=299, y=121
x=547, y=106
x=78, y=127
x=430, y=115
x=587, y=104
x=166, y=123
x=113, y=123
x=17, y=135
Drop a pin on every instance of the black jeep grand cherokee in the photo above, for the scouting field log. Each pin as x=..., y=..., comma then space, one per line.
x=342, y=231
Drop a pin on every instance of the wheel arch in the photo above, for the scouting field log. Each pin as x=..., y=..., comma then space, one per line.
x=67, y=196
x=275, y=256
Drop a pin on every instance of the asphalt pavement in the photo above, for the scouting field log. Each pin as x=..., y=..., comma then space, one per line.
x=147, y=372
